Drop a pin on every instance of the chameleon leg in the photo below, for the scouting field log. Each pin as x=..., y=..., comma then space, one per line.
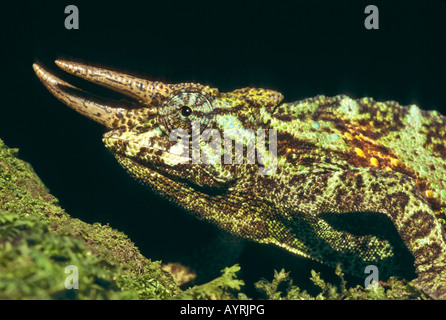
x=397, y=196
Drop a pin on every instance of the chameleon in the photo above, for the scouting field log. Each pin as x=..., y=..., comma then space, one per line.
x=346, y=181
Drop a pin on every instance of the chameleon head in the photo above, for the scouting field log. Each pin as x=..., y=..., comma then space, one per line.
x=170, y=133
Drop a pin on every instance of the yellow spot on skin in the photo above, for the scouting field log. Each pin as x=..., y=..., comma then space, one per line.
x=429, y=193
x=288, y=150
x=358, y=137
x=395, y=162
x=374, y=162
x=388, y=169
x=437, y=212
x=359, y=152
x=348, y=136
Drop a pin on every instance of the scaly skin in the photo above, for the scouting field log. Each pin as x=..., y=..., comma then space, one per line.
x=354, y=181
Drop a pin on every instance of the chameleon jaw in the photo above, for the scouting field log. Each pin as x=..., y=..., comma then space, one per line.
x=108, y=112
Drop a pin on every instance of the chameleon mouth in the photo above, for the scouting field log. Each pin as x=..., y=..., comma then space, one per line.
x=145, y=150
x=107, y=112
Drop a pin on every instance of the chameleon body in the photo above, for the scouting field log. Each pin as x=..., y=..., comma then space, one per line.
x=354, y=181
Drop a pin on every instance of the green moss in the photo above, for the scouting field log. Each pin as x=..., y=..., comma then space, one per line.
x=393, y=289
x=33, y=261
x=222, y=288
x=38, y=240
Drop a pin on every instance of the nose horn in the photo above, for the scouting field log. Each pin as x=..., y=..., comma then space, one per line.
x=140, y=89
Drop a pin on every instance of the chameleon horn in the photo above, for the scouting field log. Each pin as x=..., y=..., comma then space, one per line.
x=101, y=110
x=140, y=89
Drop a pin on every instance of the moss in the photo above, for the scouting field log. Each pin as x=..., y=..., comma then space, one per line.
x=222, y=288
x=393, y=289
x=38, y=240
x=33, y=261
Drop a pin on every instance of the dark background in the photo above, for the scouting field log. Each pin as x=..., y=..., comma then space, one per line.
x=298, y=48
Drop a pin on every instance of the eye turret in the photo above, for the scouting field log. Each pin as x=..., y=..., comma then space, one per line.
x=184, y=108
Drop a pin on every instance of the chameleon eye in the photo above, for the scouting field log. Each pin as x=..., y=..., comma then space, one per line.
x=185, y=108
x=186, y=111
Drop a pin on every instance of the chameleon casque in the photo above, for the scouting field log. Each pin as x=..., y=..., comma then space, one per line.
x=356, y=182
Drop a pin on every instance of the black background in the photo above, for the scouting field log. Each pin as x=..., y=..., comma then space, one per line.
x=298, y=48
